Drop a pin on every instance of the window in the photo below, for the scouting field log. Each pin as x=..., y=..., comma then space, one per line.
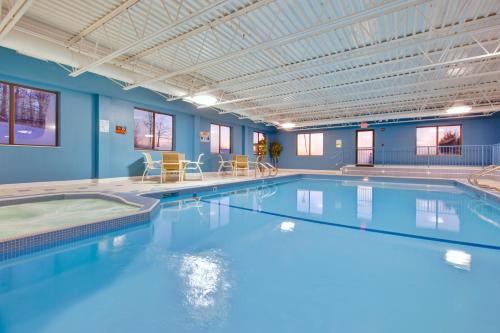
x=28, y=116
x=220, y=139
x=4, y=113
x=257, y=137
x=153, y=130
x=310, y=144
x=439, y=140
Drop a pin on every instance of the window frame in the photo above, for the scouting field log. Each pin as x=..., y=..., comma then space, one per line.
x=254, y=145
x=437, y=140
x=310, y=142
x=230, y=138
x=154, y=132
x=12, y=103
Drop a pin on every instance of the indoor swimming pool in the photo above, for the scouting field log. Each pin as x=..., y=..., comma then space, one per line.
x=307, y=254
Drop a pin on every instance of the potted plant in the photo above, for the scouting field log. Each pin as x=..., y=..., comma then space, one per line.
x=275, y=151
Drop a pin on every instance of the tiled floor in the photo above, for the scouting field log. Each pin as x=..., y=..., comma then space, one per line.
x=118, y=185
x=492, y=183
x=136, y=186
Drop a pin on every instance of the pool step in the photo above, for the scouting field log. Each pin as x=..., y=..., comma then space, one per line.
x=415, y=171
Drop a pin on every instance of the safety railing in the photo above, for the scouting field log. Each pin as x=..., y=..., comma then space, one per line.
x=495, y=154
x=463, y=155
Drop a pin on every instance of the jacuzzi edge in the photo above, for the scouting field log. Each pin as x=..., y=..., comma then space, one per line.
x=27, y=244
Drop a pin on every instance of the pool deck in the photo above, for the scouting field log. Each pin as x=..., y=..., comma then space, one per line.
x=131, y=186
x=124, y=185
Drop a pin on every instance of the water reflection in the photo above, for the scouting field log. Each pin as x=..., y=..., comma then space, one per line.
x=458, y=259
x=436, y=214
x=118, y=241
x=181, y=205
x=364, y=205
x=219, y=212
x=287, y=226
x=309, y=201
x=205, y=285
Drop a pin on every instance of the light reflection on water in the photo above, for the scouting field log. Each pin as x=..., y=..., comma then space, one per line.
x=458, y=259
x=205, y=285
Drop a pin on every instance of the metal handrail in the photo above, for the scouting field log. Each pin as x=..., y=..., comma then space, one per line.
x=474, y=178
x=271, y=169
x=452, y=155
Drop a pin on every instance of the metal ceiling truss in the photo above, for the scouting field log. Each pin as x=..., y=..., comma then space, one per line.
x=443, y=97
x=15, y=13
x=317, y=63
x=362, y=53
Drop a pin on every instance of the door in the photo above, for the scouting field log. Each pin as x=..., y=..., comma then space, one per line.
x=365, y=144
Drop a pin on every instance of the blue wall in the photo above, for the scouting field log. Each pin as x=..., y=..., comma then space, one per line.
x=475, y=131
x=84, y=152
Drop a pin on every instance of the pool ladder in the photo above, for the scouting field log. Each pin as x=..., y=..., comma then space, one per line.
x=473, y=178
x=263, y=167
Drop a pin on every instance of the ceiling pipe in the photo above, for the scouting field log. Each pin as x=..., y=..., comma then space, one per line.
x=31, y=45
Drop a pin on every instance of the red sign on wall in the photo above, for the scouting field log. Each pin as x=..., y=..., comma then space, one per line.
x=364, y=124
x=121, y=130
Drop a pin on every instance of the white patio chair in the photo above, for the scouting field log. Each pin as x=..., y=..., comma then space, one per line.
x=224, y=164
x=149, y=165
x=195, y=165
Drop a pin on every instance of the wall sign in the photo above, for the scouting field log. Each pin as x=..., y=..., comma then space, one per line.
x=364, y=124
x=121, y=129
x=103, y=126
x=338, y=143
x=204, y=136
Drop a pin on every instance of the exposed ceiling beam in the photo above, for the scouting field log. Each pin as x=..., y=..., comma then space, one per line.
x=165, y=29
x=380, y=101
x=200, y=29
x=347, y=84
x=386, y=8
x=13, y=16
x=437, y=35
x=384, y=75
x=375, y=108
x=394, y=115
x=382, y=65
x=367, y=95
x=103, y=20
x=366, y=101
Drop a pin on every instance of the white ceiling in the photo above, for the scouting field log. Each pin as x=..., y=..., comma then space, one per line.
x=315, y=63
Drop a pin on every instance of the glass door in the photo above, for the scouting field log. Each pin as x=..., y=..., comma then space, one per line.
x=365, y=144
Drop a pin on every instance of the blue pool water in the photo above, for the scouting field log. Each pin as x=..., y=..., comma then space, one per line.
x=308, y=255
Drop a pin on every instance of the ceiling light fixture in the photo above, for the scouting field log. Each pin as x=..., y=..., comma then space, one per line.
x=458, y=108
x=287, y=125
x=205, y=100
